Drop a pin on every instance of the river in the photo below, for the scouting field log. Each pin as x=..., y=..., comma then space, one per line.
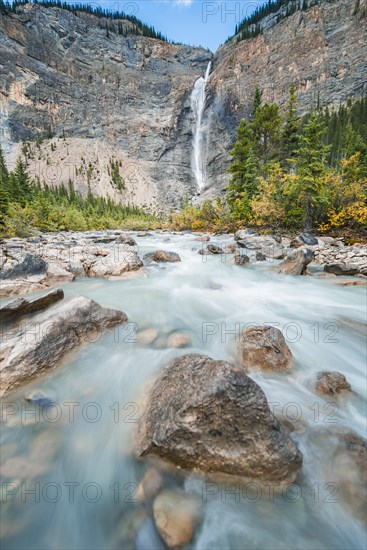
x=77, y=456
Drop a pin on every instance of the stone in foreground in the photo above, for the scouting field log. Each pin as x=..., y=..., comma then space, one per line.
x=332, y=383
x=209, y=415
x=264, y=348
x=49, y=336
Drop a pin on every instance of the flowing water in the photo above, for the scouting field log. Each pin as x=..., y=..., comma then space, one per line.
x=77, y=457
x=198, y=105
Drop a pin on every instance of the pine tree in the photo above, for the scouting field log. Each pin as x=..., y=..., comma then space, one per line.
x=4, y=191
x=257, y=99
x=290, y=134
x=245, y=170
x=266, y=126
x=310, y=169
x=20, y=189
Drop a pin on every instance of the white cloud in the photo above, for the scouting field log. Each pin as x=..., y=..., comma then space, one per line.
x=183, y=2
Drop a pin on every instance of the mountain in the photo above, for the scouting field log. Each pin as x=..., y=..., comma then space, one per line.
x=110, y=109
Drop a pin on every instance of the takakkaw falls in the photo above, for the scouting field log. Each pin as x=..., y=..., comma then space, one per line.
x=183, y=279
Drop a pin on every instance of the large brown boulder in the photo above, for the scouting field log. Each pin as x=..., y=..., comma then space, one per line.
x=39, y=344
x=264, y=348
x=210, y=415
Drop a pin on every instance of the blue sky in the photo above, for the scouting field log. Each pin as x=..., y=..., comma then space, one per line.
x=205, y=23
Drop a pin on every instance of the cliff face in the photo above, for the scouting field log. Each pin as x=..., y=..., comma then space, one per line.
x=125, y=101
x=115, y=98
x=322, y=50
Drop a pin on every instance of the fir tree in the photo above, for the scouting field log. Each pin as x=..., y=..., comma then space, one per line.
x=290, y=134
x=266, y=126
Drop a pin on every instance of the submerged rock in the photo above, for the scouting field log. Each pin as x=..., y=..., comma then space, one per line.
x=265, y=348
x=176, y=515
x=296, y=262
x=49, y=336
x=210, y=415
x=178, y=340
x=149, y=486
x=331, y=383
x=162, y=256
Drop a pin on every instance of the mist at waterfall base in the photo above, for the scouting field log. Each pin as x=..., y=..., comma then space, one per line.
x=85, y=468
x=199, y=132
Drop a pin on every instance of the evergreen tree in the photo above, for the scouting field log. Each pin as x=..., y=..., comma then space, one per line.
x=266, y=126
x=311, y=167
x=20, y=189
x=245, y=170
x=290, y=135
x=257, y=99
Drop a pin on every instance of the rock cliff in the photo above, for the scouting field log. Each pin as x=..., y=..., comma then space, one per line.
x=113, y=112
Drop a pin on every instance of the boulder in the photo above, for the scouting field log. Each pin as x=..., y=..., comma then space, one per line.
x=210, y=415
x=49, y=336
x=296, y=262
x=264, y=348
x=127, y=240
x=20, y=307
x=243, y=233
x=241, y=259
x=162, y=256
x=260, y=257
x=341, y=269
x=27, y=267
x=306, y=238
x=176, y=516
x=211, y=249
x=115, y=264
x=21, y=274
x=331, y=383
x=56, y=273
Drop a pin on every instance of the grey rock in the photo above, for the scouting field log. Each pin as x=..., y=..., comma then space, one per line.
x=210, y=415
x=58, y=331
x=20, y=307
x=306, y=238
x=241, y=259
x=341, y=269
x=29, y=266
x=211, y=249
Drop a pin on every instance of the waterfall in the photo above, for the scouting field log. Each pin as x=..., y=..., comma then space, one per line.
x=197, y=106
